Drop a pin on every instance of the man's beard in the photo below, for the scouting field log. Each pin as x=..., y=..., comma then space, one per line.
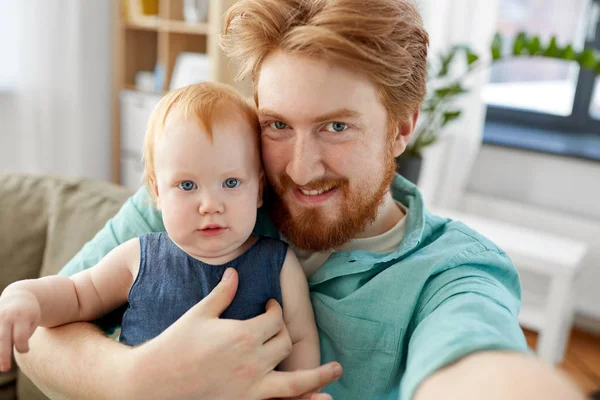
x=312, y=229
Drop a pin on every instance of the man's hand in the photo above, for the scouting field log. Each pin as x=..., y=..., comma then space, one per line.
x=203, y=356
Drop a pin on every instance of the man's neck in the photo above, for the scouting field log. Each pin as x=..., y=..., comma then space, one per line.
x=388, y=215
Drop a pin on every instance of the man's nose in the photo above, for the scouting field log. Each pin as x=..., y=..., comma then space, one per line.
x=306, y=163
x=211, y=203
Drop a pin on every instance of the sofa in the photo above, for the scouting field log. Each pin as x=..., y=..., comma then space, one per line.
x=44, y=221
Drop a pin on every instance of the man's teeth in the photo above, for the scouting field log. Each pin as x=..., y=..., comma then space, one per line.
x=314, y=192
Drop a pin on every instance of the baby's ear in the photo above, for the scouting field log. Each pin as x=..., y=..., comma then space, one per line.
x=155, y=193
x=261, y=189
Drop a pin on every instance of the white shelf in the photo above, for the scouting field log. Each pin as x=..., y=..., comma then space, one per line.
x=532, y=317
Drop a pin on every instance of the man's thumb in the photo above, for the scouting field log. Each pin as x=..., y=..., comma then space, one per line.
x=221, y=296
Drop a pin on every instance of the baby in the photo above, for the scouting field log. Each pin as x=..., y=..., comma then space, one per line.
x=203, y=169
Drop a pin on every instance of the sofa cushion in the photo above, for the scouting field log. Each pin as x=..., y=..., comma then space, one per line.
x=8, y=392
x=26, y=389
x=6, y=380
x=77, y=210
x=24, y=219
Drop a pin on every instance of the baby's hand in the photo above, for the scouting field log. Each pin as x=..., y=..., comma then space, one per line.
x=19, y=316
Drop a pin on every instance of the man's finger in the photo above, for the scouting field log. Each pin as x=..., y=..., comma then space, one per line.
x=270, y=323
x=291, y=384
x=277, y=349
x=220, y=298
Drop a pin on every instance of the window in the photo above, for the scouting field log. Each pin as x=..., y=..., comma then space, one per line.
x=543, y=93
x=595, y=105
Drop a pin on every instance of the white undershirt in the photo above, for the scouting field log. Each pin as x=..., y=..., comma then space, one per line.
x=384, y=243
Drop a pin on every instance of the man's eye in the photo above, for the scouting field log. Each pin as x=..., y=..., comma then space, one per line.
x=278, y=125
x=231, y=183
x=336, y=127
x=187, y=186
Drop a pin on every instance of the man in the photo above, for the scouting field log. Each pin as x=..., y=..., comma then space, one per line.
x=411, y=305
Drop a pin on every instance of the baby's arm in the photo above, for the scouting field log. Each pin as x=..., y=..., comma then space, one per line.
x=299, y=318
x=57, y=300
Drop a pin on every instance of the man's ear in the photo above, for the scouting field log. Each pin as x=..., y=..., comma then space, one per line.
x=403, y=132
x=261, y=189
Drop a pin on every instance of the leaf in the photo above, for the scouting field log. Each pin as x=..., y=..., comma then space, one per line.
x=587, y=59
x=451, y=90
x=429, y=142
x=428, y=109
x=470, y=55
x=450, y=116
x=497, y=47
x=471, y=58
x=534, y=45
x=568, y=53
x=445, y=61
x=552, y=50
x=520, y=44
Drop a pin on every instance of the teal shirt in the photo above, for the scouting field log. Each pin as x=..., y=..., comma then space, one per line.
x=390, y=319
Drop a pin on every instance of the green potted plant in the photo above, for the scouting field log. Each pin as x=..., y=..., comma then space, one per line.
x=439, y=107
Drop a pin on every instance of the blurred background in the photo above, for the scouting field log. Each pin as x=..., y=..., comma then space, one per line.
x=520, y=161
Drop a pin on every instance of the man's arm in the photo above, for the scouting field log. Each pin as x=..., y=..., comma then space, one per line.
x=77, y=361
x=466, y=341
x=499, y=376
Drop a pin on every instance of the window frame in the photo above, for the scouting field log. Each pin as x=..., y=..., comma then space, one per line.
x=580, y=120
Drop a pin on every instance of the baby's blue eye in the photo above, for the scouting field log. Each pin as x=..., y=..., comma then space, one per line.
x=336, y=127
x=187, y=186
x=278, y=125
x=231, y=183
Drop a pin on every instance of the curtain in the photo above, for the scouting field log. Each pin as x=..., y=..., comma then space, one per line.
x=61, y=93
x=447, y=164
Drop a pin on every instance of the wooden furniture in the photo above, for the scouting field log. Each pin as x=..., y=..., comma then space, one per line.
x=140, y=43
x=556, y=257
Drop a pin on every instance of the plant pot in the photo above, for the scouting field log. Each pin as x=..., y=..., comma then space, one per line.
x=409, y=166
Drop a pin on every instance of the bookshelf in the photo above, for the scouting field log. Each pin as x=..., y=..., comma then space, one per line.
x=145, y=42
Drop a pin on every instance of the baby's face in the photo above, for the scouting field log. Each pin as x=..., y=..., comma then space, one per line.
x=208, y=191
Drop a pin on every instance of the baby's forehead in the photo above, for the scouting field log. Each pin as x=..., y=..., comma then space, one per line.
x=231, y=116
x=228, y=137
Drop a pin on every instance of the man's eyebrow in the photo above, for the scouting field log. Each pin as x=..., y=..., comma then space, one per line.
x=337, y=114
x=333, y=115
x=267, y=112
